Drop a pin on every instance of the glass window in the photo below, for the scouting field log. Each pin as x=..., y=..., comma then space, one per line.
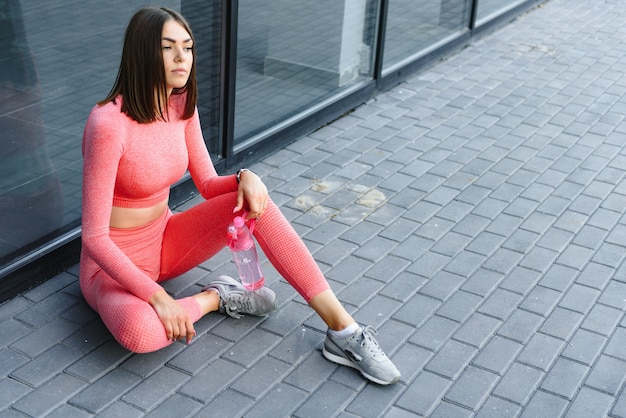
x=292, y=54
x=58, y=59
x=416, y=27
x=488, y=9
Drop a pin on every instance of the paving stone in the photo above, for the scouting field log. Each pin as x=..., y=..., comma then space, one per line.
x=428, y=264
x=178, y=406
x=311, y=373
x=451, y=359
x=14, y=306
x=602, y=319
x=500, y=304
x=12, y=330
x=105, y=390
x=146, y=364
x=297, y=345
x=329, y=397
x=442, y=285
x=50, y=287
x=69, y=411
x=518, y=384
x=520, y=326
x=447, y=409
x=546, y=404
x=203, y=350
x=460, y=306
x=349, y=269
x=472, y=388
x=10, y=391
x=590, y=402
x=204, y=386
x=252, y=347
x=435, y=332
x=43, y=338
x=496, y=407
x=584, y=347
x=152, y=390
x=46, y=366
x=377, y=310
x=99, y=362
x=614, y=295
x=561, y=323
x=482, y=282
x=497, y=355
x=564, y=378
x=260, y=377
x=120, y=409
x=417, y=310
x=49, y=396
x=11, y=360
x=424, y=394
x=477, y=330
x=607, y=375
x=283, y=399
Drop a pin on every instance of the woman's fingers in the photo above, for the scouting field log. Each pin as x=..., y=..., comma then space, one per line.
x=191, y=332
x=252, y=195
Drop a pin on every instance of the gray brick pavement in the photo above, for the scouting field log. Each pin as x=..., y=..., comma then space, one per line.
x=474, y=214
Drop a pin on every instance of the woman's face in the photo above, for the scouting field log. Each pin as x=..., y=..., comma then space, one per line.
x=177, y=54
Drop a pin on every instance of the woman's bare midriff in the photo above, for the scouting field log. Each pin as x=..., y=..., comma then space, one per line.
x=134, y=218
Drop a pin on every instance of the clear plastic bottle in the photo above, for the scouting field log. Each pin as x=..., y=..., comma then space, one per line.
x=244, y=254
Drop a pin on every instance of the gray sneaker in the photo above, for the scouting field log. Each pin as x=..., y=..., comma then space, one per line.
x=235, y=300
x=361, y=351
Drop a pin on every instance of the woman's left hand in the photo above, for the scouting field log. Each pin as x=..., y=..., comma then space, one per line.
x=252, y=195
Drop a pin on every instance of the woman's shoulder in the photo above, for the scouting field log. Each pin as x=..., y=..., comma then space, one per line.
x=107, y=115
x=108, y=109
x=106, y=122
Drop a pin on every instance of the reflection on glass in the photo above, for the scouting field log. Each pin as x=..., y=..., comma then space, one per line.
x=487, y=9
x=205, y=19
x=292, y=54
x=31, y=202
x=416, y=26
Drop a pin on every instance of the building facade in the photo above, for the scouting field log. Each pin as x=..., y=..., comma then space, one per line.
x=268, y=73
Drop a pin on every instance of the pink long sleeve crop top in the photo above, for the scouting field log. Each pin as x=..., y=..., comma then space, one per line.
x=133, y=165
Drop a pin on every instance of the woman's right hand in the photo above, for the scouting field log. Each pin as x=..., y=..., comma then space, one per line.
x=252, y=195
x=175, y=319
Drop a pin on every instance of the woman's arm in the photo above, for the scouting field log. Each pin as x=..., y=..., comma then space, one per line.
x=201, y=168
x=252, y=193
x=103, y=147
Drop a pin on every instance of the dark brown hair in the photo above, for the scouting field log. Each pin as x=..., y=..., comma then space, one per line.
x=141, y=72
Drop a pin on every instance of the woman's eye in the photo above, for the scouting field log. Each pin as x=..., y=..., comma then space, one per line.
x=167, y=47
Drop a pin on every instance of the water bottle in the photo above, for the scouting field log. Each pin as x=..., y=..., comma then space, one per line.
x=244, y=254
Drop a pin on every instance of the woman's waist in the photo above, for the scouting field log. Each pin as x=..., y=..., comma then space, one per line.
x=130, y=218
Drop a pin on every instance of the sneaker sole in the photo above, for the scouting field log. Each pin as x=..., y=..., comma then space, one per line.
x=345, y=362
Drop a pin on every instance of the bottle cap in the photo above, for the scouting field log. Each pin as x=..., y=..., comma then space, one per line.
x=238, y=221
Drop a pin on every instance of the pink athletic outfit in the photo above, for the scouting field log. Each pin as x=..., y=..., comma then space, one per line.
x=133, y=165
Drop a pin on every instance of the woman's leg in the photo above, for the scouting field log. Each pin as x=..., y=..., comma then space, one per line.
x=131, y=321
x=197, y=234
x=200, y=232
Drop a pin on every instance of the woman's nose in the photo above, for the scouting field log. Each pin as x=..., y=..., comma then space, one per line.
x=180, y=55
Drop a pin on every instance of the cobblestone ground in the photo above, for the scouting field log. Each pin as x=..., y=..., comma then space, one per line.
x=473, y=214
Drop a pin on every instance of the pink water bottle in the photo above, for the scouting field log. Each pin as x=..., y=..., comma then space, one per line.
x=244, y=253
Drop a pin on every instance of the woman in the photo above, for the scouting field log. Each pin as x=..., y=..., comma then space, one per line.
x=137, y=142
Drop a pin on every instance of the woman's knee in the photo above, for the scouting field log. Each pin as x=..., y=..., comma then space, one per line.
x=137, y=328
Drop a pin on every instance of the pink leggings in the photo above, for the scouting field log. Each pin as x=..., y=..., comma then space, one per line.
x=178, y=242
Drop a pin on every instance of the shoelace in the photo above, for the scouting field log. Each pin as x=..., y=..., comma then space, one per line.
x=370, y=342
x=236, y=304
